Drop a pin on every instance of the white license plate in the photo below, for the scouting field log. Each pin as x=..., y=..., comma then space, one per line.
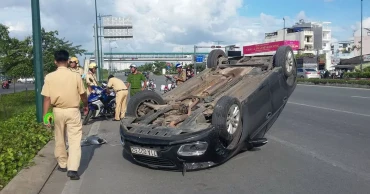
x=144, y=151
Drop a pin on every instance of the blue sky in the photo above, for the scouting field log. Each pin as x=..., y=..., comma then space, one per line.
x=342, y=13
x=177, y=25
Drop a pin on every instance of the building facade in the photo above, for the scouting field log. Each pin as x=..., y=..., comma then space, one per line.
x=305, y=38
x=365, y=44
x=314, y=37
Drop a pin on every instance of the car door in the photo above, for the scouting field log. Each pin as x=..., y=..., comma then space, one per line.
x=258, y=108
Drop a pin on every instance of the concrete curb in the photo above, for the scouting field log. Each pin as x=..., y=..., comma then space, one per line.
x=31, y=180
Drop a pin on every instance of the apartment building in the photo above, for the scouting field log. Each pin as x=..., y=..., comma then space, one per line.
x=305, y=38
x=314, y=37
x=365, y=44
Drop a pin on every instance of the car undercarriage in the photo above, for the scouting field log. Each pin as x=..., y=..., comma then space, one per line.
x=231, y=104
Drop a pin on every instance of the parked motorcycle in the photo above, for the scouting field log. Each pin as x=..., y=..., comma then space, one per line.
x=170, y=86
x=151, y=85
x=100, y=103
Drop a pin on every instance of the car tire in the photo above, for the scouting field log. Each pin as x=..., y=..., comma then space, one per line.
x=139, y=98
x=213, y=56
x=285, y=59
x=227, y=120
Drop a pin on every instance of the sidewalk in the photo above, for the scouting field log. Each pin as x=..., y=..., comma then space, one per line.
x=31, y=180
x=59, y=183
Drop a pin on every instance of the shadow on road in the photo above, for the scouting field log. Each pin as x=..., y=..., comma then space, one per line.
x=86, y=156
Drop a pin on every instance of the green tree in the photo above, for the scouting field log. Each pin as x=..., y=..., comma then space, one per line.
x=16, y=56
x=51, y=43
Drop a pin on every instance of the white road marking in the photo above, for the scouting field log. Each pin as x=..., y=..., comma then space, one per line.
x=320, y=157
x=335, y=87
x=74, y=186
x=360, y=97
x=342, y=111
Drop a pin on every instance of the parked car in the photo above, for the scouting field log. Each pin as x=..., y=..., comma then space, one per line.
x=26, y=80
x=210, y=118
x=308, y=73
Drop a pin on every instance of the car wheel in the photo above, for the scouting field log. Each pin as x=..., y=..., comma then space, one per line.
x=227, y=120
x=136, y=107
x=284, y=58
x=213, y=56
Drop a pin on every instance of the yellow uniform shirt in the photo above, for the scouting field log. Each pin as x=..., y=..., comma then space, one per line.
x=116, y=84
x=93, y=81
x=64, y=88
x=77, y=70
x=181, y=75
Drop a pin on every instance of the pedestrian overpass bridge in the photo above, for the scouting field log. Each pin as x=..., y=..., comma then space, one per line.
x=147, y=57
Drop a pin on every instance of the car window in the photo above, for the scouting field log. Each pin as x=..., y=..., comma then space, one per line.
x=300, y=70
x=310, y=69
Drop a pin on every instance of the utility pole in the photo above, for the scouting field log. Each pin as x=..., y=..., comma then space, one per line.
x=194, y=60
x=101, y=44
x=284, y=28
x=101, y=41
x=362, y=57
x=37, y=57
x=97, y=60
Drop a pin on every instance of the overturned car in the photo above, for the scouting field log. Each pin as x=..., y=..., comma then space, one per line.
x=210, y=118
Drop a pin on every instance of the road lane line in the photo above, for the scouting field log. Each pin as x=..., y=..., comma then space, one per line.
x=74, y=186
x=335, y=87
x=342, y=111
x=360, y=97
x=322, y=158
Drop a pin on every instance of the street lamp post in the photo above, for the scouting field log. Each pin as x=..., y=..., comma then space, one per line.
x=284, y=28
x=97, y=59
x=100, y=39
x=37, y=57
x=362, y=57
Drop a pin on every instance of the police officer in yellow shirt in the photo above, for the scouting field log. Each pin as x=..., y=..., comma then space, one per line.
x=91, y=78
x=75, y=66
x=121, y=91
x=63, y=90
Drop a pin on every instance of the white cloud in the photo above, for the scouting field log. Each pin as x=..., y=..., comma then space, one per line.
x=159, y=25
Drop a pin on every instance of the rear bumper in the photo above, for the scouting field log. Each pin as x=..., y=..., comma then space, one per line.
x=315, y=76
x=167, y=150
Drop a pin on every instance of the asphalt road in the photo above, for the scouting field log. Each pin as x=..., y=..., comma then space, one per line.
x=319, y=144
x=18, y=87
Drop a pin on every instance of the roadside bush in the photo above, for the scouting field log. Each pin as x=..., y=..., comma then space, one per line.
x=21, y=137
x=16, y=103
x=356, y=75
x=335, y=81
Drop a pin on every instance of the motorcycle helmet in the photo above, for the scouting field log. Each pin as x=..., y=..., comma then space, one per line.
x=49, y=119
x=74, y=59
x=178, y=65
x=92, y=65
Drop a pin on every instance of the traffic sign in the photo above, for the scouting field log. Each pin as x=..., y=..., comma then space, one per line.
x=199, y=59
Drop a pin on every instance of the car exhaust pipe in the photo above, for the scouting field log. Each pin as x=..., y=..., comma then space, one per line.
x=258, y=142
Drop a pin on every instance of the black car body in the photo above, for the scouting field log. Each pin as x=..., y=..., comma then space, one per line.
x=211, y=117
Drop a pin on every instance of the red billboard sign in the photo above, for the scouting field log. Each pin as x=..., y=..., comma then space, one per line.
x=268, y=47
